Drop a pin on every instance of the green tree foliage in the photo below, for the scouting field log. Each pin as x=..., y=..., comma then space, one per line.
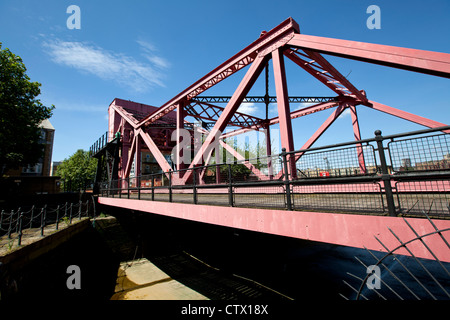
x=77, y=171
x=20, y=114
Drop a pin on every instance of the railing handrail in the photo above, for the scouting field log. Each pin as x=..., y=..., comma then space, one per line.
x=13, y=221
x=388, y=137
x=284, y=173
x=280, y=155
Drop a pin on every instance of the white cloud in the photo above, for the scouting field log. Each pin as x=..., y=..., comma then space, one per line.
x=345, y=114
x=248, y=108
x=146, y=45
x=125, y=70
x=149, y=53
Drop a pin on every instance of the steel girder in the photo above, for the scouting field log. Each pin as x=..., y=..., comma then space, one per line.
x=305, y=51
x=210, y=112
x=283, y=32
x=262, y=99
x=428, y=62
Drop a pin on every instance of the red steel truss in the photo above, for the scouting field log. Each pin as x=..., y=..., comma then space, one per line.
x=142, y=126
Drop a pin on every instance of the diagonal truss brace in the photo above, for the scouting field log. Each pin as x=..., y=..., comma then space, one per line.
x=210, y=112
x=242, y=90
x=245, y=57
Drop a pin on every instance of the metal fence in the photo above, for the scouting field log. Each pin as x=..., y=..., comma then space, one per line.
x=15, y=225
x=99, y=144
x=368, y=176
x=430, y=153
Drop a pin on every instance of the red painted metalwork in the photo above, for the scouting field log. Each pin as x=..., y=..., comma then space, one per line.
x=137, y=122
x=283, y=32
x=337, y=228
x=428, y=62
x=357, y=134
x=208, y=111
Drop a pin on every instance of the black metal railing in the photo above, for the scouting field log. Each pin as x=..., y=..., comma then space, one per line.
x=99, y=144
x=359, y=176
x=22, y=223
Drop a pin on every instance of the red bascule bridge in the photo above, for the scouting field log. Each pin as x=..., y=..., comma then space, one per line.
x=385, y=193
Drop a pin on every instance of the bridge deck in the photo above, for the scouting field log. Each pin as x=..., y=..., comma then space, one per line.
x=355, y=230
x=345, y=204
x=435, y=204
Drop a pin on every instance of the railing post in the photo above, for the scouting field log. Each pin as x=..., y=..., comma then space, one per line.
x=385, y=176
x=20, y=229
x=17, y=221
x=79, y=210
x=128, y=187
x=139, y=186
x=230, y=187
x=287, y=183
x=170, y=185
x=32, y=216
x=194, y=187
x=42, y=221
x=70, y=217
x=57, y=217
x=10, y=224
x=153, y=187
x=1, y=219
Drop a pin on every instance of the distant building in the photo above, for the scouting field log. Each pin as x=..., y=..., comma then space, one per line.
x=54, y=167
x=406, y=163
x=441, y=164
x=43, y=167
x=37, y=178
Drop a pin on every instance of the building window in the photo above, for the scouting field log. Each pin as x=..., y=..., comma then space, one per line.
x=37, y=169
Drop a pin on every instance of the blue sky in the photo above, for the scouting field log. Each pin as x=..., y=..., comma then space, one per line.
x=148, y=51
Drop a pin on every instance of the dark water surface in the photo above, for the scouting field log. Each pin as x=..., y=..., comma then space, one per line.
x=302, y=270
